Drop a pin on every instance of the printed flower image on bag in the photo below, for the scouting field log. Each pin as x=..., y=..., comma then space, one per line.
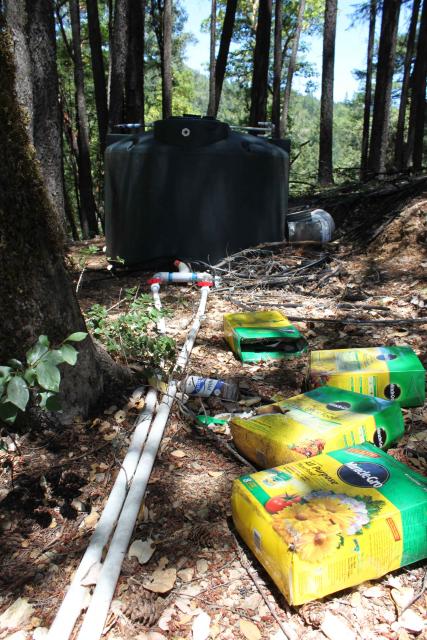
x=314, y=528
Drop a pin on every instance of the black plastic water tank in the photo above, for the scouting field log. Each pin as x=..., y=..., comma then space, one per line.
x=192, y=189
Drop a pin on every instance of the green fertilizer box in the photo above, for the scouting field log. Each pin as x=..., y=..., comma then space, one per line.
x=262, y=335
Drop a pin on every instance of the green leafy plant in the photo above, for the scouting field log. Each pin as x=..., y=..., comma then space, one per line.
x=132, y=335
x=40, y=374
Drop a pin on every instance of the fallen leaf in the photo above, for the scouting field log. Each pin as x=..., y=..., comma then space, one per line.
x=109, y=436
x=402, y=596
x=186, y=575
x=215, y=474
x=411, y=621
x=201, y=626
x=163, y=562
x=373, y=592
x=335, y=628
x=165, y=618
x=356, y=599
x=201, y=566
x=141, y=549
x=18, y=614
x=178, y=453
x=120, y=416
x=249, y=630
x=252, y=603
x=161, y=581
x=249, y=402
x=90, y=521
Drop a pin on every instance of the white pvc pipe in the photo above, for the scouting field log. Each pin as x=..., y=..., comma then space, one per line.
x=165, y=277
x=71, y=606
x=97, y=612
x=155, y=290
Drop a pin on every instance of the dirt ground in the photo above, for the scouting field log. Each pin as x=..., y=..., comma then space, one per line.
x=53, y=492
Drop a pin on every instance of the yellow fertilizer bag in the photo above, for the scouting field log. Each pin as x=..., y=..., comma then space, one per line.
x=328, y=523
x=394, y=373
x=320, y=420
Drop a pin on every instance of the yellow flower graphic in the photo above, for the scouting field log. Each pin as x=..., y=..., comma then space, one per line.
x=299, y=512
x=314, y=547
x=335, y=511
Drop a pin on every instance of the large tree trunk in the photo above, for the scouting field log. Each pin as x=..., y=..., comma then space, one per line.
x=16, y=16
x=212, y=99
x=98, y=70
x=135, y=63
x=87, y=201
x=410, y=45
x=258, y=110
x=291, y=68
x=327, y=99
x=383, y=86
x=224, y=47
x=33, y=24
x=34, y=285
x=368, y=90
x=416, y=130
x=277, y=67
x=166, y=60
x=119, y=49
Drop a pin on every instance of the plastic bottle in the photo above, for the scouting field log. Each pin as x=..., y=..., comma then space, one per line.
x=205, y=387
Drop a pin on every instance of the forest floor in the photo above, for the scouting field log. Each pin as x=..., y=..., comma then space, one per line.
x=375, y=270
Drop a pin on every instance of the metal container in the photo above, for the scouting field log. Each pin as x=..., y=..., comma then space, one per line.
x=315, y=226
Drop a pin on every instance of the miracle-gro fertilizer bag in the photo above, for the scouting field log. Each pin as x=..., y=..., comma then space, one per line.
x=324, y=524
x=320, y=420
x=263, y=335
x=394, y=373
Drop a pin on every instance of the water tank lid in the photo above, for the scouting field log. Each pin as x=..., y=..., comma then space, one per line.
x=298, y=216
x=190, y=132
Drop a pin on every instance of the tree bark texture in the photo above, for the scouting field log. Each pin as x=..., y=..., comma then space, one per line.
x=34, y=285
x=416, y=129
x=258, y=109
x=224, y=47
x=383, y=85
x=16, y=16
x=47, y=125
x=87, y=201
x=33, y=28
x=277, y=67
x=291, y=68
x=212, y=100
x=167, y=60
x=410, y=46
x=98, y=70
x=135, y=63
x=327, y=98
x=119, y=52
x=368, y=90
